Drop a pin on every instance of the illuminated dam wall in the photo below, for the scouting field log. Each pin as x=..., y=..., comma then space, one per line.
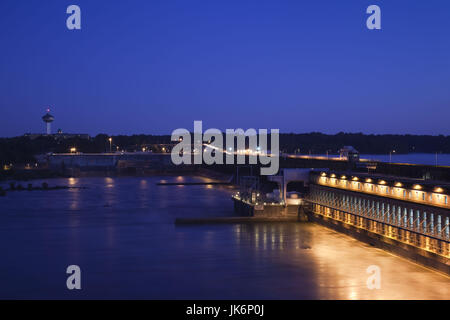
x=401, y=216
x=80, y=163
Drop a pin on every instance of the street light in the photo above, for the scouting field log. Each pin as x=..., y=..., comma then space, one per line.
x=390, y=155
x=110, y=144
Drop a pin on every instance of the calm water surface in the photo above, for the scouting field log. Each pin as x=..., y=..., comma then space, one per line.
x=442, y=159
x=120, y=231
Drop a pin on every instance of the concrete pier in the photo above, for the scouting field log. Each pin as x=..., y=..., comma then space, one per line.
x=234, y=220
x=268, y=210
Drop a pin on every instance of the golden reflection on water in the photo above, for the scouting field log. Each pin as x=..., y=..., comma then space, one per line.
x=73, y=181
x=109, y=182
x=337, y=264
x=265, y=235
x=74, y=201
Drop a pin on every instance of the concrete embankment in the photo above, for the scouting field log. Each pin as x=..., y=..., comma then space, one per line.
x=17, y=187
x=404, y=250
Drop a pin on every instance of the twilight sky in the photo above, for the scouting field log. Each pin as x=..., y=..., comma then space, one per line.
x=152, y=66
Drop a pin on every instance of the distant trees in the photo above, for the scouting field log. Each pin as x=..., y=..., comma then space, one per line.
x=319, y=143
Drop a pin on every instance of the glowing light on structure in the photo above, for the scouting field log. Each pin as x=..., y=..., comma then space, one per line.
x=48, y=119
x=398, y=184
x=344, y=177
x=438, y=189
x=417, y=187
x=323, y=174
x=382, y=182
x=355, y=179
x=368, y=180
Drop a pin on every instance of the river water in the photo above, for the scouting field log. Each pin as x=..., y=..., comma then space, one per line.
x=121, y=233
x=432, y=159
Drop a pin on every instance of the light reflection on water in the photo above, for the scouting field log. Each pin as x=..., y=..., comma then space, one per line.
x=120, y=232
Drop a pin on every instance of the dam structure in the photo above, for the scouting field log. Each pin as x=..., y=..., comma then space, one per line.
x=80, y=164
x=400, y=215
x=407, y=217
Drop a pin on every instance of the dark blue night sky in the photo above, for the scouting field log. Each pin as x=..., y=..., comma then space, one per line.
x=154, y=66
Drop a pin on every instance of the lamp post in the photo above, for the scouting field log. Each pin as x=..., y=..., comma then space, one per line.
x=110, y=144
x=390, y=155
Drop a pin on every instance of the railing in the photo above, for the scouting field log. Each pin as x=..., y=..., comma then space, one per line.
x=407, y=196
x=395, y=224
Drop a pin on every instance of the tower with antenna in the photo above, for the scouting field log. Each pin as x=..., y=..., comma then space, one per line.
x=48, y=119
